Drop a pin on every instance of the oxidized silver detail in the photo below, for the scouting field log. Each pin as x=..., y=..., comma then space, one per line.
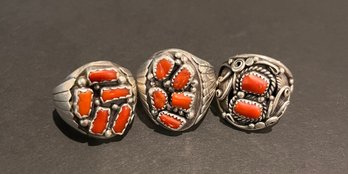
x=66, y=98
x=200, y=88
x=271, y=76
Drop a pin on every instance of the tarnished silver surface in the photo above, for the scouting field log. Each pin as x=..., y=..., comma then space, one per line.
x=253, y=91
x=66, y=99
x=200, y=89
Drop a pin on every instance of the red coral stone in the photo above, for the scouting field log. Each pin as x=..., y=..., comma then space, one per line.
x=122, y=119
x=170, y=121
x=247, y=110
x=254, y=84
x=84, y=103
x=159, y=99
x=179, y=100
x=163, y=68
x=100, y=121
x=181, y=79
x=113, y=94
x=102, y=75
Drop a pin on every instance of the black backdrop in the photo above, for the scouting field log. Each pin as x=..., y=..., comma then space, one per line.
x=43, y=41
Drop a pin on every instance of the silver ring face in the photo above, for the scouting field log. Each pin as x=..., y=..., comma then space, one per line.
x=253, y=91
x=176, y=88
x=97, y=99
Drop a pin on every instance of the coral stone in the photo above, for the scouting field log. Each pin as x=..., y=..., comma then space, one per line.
x=254, y=84
x=179, y=100
x=113, y=94
x=251, y=111
x=84, y=103
x=170, y=121
x=100, y=121
x=102, y=75
x=122, y=119
x=159, y=99
x=181, y=79
x=163, y=68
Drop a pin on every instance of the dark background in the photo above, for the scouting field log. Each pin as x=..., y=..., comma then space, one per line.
x=41, y=42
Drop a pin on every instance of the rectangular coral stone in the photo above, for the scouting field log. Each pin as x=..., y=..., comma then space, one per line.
x=84, y=102
x=100, y=121
x=254, y=84
x=102, y=75
x=170, y=121
x=122, y=119
x=180, y=100
x=108, y=94
x=248, y=109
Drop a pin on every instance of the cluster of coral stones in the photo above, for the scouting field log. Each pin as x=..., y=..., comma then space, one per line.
x=255, y=84
x=94, y=102
x=171, y=92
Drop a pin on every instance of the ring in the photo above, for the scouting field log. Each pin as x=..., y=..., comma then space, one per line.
x=253, y=91
x=176, y=88
x=98, y=99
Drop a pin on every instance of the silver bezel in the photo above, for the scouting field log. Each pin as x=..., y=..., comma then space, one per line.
x=75, y=103
x=192, y=74
x=117, y=87
x=255, y=74
x=130, y=118
x=186, y=94
x=151, y=91
x=232, y=109
x=155, y=62
x=95, y=117
x=92, y=69
x=181, y=119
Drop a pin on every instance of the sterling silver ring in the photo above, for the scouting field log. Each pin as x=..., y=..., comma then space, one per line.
x=176, y=88
x=97, y=99
x=253, y=91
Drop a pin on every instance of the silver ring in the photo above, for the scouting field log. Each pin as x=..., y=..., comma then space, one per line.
x=253, y=91
x=97, y=99
x=176, y=88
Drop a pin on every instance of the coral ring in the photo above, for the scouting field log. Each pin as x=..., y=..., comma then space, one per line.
x=176, y=88
x=97, y=99
x=253, y=91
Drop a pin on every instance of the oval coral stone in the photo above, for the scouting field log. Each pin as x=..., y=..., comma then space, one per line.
x=159, y=99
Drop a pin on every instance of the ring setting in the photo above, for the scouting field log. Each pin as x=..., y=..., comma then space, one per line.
x=253, y=91
x=176, y=88
x=98, y=99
